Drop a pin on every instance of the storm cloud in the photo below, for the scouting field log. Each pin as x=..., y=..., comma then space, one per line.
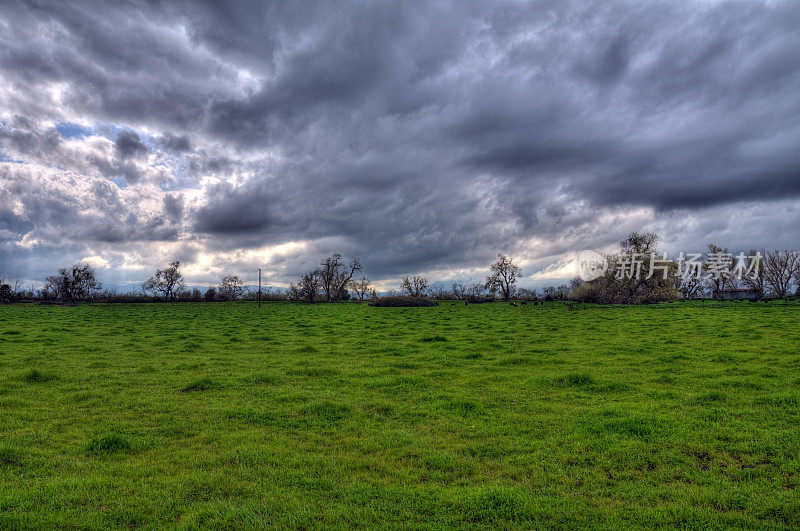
x=423, y=138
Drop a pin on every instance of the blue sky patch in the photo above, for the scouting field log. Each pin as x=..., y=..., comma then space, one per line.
x=6, y=158
x=71, y=130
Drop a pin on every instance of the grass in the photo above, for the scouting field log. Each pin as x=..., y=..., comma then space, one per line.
x=107, y=444
x=221, y=415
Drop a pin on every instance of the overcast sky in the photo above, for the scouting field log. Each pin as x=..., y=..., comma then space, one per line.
x=420, y=137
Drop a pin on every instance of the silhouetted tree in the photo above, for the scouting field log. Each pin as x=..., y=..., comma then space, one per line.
x=307, y=288
x=334, y=276
x=361, y=287
x=437, y=292
x=167, y=281
x=475, y=291
x=717, y=264
x=231, y=288
x=755, y=280
x=527, y=294
x=458, y=290
x=503, y=276
x=5, y=292
x=73, y=283
x=415, y=286
x=690, y=286
x=780, y=269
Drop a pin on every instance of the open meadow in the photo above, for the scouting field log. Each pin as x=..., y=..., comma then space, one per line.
x=221, y=414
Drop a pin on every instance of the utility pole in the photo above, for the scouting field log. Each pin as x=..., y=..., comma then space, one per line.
x=259, y=287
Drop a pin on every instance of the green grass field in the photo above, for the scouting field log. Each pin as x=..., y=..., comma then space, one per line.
x=184, y=415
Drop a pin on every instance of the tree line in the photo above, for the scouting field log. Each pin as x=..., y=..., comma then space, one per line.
x=336, y=280
x=769, y=274
x=79, y=283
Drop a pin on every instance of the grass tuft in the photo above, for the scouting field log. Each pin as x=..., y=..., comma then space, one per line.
x=493, y=504
x=307, y=349
x=711, y=397
x=636, y=427
x=575, y=380
x=265, y=379
x=327, y=411
x=108, y=444
x=315, y=372
x=463, y=407
x=37, y=376
x=203, y=384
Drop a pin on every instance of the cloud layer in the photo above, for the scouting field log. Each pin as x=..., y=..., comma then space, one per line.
x=423, y=138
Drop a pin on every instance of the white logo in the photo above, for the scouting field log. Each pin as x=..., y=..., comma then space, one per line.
x=592, y=265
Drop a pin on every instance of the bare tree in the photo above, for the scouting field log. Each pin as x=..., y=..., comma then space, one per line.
x=361, y=287
x=475, y=290
x=755, y=280
x=167, y=281
x=307, y=288
x=690, y=286
x=231, y=288
x=780, y=269
x=459, y=290
x=717, y=264
x=415, y=286
x=73, y=283
x=643, y=243
x=503, y=276
x=436, y=291
x=334, y=276
x=527, y=294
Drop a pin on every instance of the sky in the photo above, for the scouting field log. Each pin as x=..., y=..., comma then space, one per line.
x=422, y=137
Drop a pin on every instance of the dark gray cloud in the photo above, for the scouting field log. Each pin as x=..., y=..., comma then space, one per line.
x=129, y=145
x=173, y=208
x=418, y=136
x=177, y=143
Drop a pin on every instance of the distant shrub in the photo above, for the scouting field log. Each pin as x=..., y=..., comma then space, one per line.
x=478, y=300
x=6, y=294
x=400, y=301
